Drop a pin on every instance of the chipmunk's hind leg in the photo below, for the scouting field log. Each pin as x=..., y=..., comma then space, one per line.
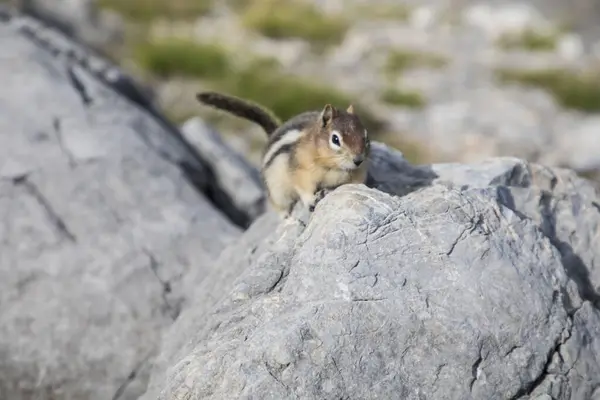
x=307, y=190
x=307, y=197
x=283, y=203
x=284, y=210
x=286, y=213
x=279, y=188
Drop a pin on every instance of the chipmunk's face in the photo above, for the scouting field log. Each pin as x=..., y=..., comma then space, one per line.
x=344, y=137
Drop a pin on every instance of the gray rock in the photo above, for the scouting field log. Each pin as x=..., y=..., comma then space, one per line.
x=61, y=46
x=80, y=19
x=101, y=228
x=447, y=290
x=495, y=21
x=80, y=60
x=240, y=181
x=579, y=148
x=486, y=122
x=566, y=207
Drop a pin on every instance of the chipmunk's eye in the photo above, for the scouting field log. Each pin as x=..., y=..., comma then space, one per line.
x=335, y=140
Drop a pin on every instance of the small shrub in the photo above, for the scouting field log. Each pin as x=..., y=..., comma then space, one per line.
x=148, y=10
x=395, y=12
x=285, y=95
x=282, y=19
x=260, y=80
x=590, y=175
x=580, y=91
x=404, y=98
x=288, y=95
x=529, y=39
x=399, y=61
x=179, y=57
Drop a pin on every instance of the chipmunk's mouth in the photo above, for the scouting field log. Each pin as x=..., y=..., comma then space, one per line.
x=349, y=166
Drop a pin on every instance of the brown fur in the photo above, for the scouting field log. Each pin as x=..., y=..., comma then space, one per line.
x=352, y=131
x=316, y=166
x=302, y=166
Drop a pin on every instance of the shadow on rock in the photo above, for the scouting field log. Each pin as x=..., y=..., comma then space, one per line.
x=391, y=173
x=574, y=266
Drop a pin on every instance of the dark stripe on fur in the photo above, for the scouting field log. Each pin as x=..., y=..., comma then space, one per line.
x=300, y=122
x=285, y=149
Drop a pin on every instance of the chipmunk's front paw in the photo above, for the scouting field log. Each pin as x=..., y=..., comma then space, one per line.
x=318, y=197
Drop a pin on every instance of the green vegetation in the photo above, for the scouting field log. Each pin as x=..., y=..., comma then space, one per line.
x=285, y=95
x=591, y=175
x=179, y=57
x=403, y=98
x=395, y=12
x=282, y=19
x=399, y=61
x=574, y=90
x=530, y=39
x=149, y=10
x=260, y=81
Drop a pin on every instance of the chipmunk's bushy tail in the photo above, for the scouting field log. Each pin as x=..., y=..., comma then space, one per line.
x=241, y=108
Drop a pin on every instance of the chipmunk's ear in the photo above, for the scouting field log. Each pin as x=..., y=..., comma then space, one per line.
x=350, y=109
x=327, y=114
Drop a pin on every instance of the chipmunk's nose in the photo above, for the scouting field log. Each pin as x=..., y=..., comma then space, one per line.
x=358, y=160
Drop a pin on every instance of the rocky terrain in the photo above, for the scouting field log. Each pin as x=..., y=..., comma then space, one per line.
x=468, y=287
x=138, y=260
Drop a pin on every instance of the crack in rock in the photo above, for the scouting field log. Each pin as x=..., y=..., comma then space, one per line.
x=438, y=370
x=272, y=372
x=172, y=309
x=511, y=350
x=56, y=124
x=56, y=221
x=78, y=86
x=475, y=370
x=131, y=377
x=530, y=387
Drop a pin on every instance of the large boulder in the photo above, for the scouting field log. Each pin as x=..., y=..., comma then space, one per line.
x=447, y=281
x=103, y=225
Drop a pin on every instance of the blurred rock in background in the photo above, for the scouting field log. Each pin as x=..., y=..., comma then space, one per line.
x=80, y=19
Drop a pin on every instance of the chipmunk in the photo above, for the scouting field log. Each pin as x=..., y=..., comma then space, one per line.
x=308, y=155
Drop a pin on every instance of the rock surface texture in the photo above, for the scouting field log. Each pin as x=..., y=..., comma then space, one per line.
x=100, y=225
x=450, y=281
